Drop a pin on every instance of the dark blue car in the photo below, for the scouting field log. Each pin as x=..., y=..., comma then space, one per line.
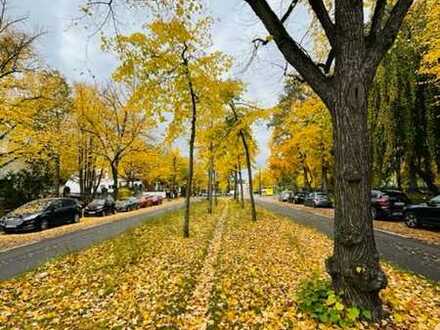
x=424, y=214
x=41, y=214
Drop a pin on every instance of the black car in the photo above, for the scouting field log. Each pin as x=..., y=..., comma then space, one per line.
x=317, y=199
x=298, y=198
x=100, y=207
x=127, y=204
x=423, y=214
x=387, y=203
x=41, y=214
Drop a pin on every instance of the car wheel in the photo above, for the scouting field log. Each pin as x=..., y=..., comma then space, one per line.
x=373, y=213
x=44, y=224
x=411, y=220
x=314, y=205
x=76, y=218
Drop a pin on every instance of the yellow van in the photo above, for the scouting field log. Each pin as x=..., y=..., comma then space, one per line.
x=267, y=191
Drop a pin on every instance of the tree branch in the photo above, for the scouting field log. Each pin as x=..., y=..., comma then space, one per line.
x=289, y=11
x=291, y=50
x=323, y=16
x=376, y=21
x=386, y=36
x=328, y=63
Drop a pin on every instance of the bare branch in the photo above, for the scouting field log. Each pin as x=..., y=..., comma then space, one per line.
x=386, y=37
x=376, y=21
x=323, y=16
x=289, y=11
x=292, y=51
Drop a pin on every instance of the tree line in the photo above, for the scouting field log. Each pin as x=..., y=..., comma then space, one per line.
x=403, y=119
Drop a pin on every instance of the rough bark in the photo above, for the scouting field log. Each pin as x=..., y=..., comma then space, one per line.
x=354, y=266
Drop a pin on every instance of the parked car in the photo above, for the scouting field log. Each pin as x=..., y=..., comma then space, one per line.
x=423, y=214
x=41, y=214
x=100, y=207
x=127, y=204
x=157, y=200
x=145, y=201
x=317, y=199
x=388, y=203
x=298, y=198
x=284, y=196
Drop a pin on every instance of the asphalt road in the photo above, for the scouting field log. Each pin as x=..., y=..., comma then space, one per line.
x=409, y=254
x=21, y=259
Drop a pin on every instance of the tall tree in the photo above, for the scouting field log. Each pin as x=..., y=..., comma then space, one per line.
x=357, y=50
x=185, y=79
x=118, y=123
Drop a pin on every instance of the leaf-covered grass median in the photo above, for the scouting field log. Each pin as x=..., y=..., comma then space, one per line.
x=248, y=275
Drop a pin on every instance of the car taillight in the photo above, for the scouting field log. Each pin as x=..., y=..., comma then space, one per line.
x=384, y=201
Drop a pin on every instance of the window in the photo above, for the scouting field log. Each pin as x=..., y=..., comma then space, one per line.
x=68, y=202
x=57, y=203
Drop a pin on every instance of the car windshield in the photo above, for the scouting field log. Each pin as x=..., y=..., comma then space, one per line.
x=97, y=202
x=32, y=207
x=436, y=199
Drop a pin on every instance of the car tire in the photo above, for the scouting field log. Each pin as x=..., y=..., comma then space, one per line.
x=373, y=212
x=314, y=205
x=44, y=224
x=76, y=218
x=411, y=220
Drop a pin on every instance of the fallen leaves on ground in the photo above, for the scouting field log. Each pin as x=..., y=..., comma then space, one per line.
x=8, y=241
x=429, y=235
x=242, y=274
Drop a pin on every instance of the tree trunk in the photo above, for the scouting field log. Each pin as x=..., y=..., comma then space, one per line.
x=214, y=179
x=57, y=174
x=354, y=266
x=306, y=176
x=115, y=169
x=241, y=184
x=249, y=168
x=235, y=186
x=174, y=178
x=412, y=177
x=191, y=149
x=210, y=190
x=210, y=179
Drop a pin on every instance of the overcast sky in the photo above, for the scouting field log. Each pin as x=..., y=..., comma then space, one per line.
x=69, y=48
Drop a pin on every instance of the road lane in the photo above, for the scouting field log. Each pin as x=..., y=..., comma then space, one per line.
x=410, y=254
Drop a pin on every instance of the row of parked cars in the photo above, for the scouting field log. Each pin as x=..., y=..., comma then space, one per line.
x=385, y=204
x=312, y=199
x=41, y=214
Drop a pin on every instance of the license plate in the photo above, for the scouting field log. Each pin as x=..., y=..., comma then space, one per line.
x=10, y=226
x=91, y=212
x=399, y=204
x=397, y=213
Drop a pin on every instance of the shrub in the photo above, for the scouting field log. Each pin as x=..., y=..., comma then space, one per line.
x=316, y=298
